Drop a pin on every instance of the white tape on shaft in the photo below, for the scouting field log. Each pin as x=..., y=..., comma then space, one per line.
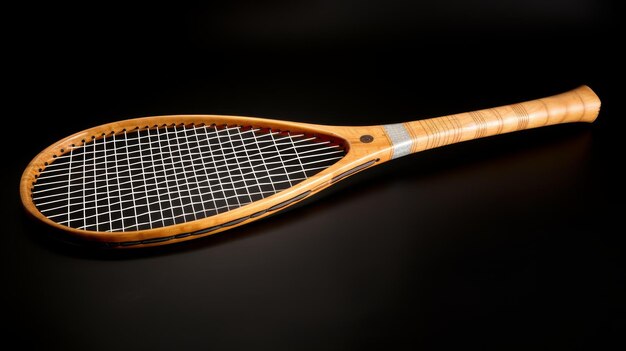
x=400, y=139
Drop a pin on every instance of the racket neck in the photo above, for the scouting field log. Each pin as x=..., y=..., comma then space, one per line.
x=578, y=105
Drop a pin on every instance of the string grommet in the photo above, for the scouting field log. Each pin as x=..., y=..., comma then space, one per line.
x=366, y=138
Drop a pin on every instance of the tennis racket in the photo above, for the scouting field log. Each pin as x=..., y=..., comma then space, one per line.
x=160, y=180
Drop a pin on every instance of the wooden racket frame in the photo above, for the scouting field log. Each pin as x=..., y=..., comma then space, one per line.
x=366, y=146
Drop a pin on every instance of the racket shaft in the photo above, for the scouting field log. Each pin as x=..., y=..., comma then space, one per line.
x=578, y=105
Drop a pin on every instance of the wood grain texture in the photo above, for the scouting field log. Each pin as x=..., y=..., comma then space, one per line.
x=578, y=105
x=366, y=147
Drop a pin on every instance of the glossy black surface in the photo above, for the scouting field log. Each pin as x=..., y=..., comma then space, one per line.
x=512, y=242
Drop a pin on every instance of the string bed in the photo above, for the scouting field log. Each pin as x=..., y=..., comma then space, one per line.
x=156, y=177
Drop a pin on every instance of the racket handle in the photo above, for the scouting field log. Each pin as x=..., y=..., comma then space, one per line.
x=578, y=105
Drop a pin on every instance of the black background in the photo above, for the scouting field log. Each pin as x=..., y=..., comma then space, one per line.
x=512, y=241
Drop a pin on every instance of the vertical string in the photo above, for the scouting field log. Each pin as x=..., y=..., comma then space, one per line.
x=204, y=167
x=184, y=168
x=227, y=169
x=95, y=181
x=245, y=149
x=219, y=179
x=281, y=159
x=130, y=177
x=295, y=151
x=119, y=187
x=193, y=167
x=106, y=178
x=269, y=177
x=217, y=131
x=69, y=189
x=84, y=201
x=143, y=175
x=185, y=178
x=180, y=194
x=169, y=195
x=156, y=182
x=232, y=144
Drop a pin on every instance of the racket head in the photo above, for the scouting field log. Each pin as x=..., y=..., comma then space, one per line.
x=359, y=152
